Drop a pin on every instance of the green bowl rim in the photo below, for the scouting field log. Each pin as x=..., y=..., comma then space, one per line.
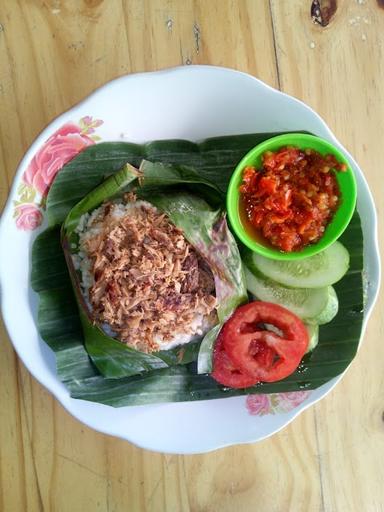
x=347, y=207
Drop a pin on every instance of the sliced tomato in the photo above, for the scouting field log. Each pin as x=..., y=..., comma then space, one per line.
x=265, y=341
x=225, y=372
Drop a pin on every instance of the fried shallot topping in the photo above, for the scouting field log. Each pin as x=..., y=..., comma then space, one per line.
x=149, y=282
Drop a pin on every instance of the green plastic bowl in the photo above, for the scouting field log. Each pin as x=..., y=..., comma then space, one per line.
x=341, y=218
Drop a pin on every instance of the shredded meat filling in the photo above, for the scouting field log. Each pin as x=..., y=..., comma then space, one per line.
x=149, y=282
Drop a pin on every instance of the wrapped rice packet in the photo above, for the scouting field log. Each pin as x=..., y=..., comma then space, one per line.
x=160, y=189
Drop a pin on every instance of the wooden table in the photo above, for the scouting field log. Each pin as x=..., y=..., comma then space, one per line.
x=53, y=53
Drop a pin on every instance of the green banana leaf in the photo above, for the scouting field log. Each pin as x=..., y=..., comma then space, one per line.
x=59, y=322
x=214, y=159
x=205, y=229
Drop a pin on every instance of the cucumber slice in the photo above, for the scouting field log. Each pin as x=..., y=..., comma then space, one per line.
x=322, y=269
x=204, y=358
x=313, y=332
x=330, y=310
x=304, y=302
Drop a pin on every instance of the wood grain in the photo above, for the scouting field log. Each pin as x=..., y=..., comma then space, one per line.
x=52, y=54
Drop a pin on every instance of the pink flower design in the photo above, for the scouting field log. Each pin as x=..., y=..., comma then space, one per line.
x=61, y=147
x=258, y=404
x=87, y=120
x=58, y=150
x=288, y=401
x=28, y=216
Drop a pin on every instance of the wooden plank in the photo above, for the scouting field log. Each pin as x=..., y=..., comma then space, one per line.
x=339, y=71
x=67, y=51
x=12, y=464
x=53, y=53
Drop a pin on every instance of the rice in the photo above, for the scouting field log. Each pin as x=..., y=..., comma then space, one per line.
x=172, y=329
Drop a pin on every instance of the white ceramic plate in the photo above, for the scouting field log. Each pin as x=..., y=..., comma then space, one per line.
x=193, y=103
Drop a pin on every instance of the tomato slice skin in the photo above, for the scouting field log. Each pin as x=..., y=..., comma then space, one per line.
x=259, y=352
x=225, y=372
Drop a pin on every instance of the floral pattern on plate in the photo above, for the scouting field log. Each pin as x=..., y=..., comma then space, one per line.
x=260, y=405
x=64, y=144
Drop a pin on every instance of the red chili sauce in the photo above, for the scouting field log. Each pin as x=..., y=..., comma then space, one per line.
x=292, y=198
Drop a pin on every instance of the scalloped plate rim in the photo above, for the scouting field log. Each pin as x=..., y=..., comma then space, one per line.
x=62, y=394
